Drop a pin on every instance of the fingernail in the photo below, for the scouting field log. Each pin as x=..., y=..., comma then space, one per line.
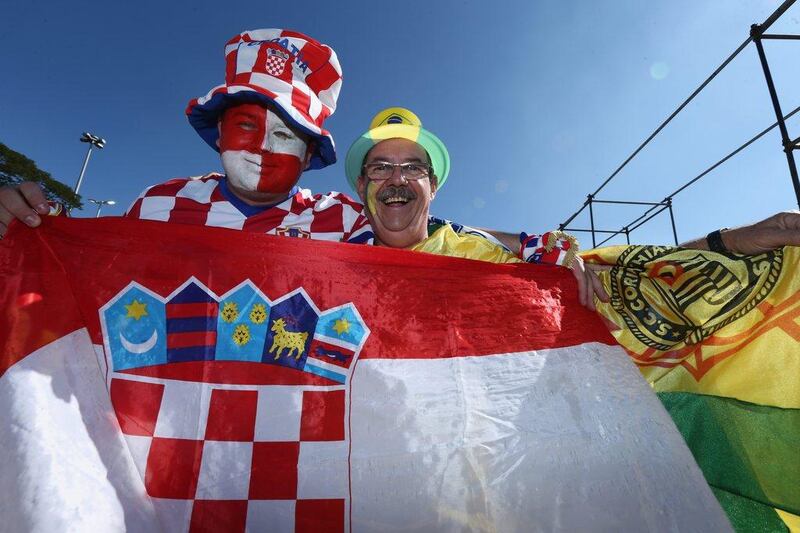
x=43, y=208
x=32, y=220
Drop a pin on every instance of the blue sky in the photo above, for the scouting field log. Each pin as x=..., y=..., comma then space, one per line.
x=538, y=102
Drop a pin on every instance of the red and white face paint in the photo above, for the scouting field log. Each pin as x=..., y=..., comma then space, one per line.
x=259, y=151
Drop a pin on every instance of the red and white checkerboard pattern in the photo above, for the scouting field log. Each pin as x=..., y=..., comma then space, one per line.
x=307, y=91
x=229, y=458
x=275, y=65
x=199, y=201
x=533, y=249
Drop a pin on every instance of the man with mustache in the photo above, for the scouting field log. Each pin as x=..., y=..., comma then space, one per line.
x=396, y=168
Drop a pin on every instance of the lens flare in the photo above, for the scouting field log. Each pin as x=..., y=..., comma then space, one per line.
x=659, y=70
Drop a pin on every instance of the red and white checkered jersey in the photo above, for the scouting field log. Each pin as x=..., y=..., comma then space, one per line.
x=206, y=201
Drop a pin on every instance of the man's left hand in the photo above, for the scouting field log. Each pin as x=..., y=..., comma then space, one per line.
x=589, y=284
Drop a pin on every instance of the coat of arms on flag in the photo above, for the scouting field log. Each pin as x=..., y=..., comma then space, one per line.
x=233, y=406
x=276, y=61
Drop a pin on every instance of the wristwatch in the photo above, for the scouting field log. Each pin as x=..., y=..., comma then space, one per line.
x=714, y=241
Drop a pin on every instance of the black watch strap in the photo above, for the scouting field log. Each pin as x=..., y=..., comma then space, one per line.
x=714, y=241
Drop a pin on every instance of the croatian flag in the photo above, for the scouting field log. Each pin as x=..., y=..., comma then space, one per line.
x=176, y=378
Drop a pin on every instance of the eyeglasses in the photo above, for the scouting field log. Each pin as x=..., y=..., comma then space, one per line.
x=410, y=171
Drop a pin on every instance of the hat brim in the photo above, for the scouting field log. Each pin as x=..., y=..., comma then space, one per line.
x=204, y=118
x=440, y=158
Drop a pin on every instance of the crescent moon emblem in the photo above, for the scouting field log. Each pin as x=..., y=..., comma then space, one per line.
x=142, y=347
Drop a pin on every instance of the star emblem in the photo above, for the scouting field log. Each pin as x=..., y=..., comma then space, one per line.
x=341, y=326
x=136, y=310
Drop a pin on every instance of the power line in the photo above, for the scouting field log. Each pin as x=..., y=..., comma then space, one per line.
x=630, y=226
x=756, y=35
x=724, y=159
x=661, y=127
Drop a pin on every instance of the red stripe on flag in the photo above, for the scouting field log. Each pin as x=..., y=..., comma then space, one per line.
x=190, y=339
x=192, y=310
x=27, y=266
x=415, y=305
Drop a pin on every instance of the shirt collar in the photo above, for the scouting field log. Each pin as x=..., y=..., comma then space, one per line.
x=245, y=208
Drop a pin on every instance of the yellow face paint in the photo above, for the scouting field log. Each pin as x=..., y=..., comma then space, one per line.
x=372, y=192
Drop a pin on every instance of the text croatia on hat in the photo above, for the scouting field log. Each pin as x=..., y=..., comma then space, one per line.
x=295, y=74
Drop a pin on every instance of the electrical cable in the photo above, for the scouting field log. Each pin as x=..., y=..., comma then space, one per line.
x=697, y=178
x=661, y=127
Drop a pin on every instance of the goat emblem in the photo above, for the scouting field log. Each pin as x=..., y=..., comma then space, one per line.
x=289, y=340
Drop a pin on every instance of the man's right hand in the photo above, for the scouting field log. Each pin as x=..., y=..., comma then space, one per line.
x=781, y=229
x=26, y=202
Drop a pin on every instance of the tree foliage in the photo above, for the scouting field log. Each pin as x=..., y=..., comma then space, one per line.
x=16, y=168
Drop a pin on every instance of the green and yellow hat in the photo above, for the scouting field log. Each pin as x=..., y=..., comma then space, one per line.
x=397, y=123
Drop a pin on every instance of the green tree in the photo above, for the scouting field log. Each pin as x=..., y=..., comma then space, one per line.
x=16, y=168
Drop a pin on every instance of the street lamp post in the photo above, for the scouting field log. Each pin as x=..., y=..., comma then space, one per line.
x=100, y=204
x=94, y=141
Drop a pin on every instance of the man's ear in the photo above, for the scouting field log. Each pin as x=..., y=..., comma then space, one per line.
x=312, y=147
x=434, y=182
x=361, y=188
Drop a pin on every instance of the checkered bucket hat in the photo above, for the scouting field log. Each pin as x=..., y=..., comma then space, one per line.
x=299, y=76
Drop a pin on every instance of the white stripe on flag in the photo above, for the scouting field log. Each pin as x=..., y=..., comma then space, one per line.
x=66, y=466
x=568, y=439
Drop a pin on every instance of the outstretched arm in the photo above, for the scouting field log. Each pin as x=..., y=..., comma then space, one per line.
x=25, y=202
x=509, y=240
x=781, y=229
x=589, y=284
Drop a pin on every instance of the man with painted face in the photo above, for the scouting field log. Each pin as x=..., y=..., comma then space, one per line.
x=266, y=122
